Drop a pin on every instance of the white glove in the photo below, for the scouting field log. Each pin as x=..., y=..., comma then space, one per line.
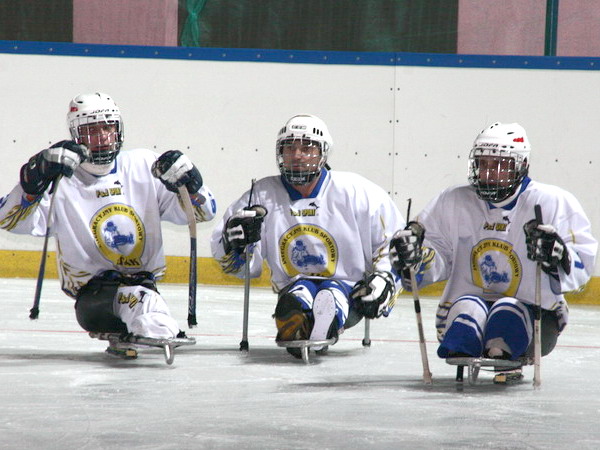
x=175, y=169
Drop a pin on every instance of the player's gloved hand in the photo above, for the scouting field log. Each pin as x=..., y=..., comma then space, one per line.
x=175, y=169
x=406, y=247
x=244, y=227
x=42, y=168
x=372, y=297
x=544, y=245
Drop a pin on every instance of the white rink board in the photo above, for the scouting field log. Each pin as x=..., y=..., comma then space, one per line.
x=408, y=128
x=224, y=115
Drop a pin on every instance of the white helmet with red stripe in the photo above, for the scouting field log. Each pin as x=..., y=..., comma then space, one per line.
x=507, y=145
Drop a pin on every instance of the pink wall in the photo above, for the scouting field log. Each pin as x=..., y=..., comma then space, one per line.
x=517, y=27
x=578, y=28
x=130, y=22
x=501, y=27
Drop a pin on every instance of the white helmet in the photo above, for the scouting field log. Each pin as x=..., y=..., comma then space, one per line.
x=309, y=131
x=90, y=109
x=505, y=144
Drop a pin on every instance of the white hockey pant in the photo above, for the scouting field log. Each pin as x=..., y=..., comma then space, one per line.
x=144, y=312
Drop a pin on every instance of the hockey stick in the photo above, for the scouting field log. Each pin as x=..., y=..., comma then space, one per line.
x=34, y=312
x=186, y=201
x=244, y=346
x=415, y=293
x=537, y=324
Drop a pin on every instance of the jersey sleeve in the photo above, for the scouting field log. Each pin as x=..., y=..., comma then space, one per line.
x=24, y=214
x=385, y=221
x=574, y=227
x=437, y=245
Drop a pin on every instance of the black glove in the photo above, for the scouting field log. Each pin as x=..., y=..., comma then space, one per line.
x=372, y=297
x=544, y=245
x=406, y=247
x=175, y=169
x=243, y=227
x=42, y=168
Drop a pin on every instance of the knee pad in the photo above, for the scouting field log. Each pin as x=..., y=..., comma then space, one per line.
x=94, y=307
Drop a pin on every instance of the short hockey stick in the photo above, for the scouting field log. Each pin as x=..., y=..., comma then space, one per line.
x=415, y=293
x=191, y=217
x=366, y=342
x=34, y=312
x=244, y=346
x=537, y=324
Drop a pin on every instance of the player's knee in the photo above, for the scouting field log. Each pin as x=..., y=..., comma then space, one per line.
x=94, y=307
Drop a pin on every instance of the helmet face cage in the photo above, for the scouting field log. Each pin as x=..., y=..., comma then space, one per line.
x=104, y=129
x=496, y=173
x=303, y=171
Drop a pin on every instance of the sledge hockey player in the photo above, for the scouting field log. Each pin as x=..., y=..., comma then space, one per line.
x=483, y=239
x=324, y=234
x=108, y=208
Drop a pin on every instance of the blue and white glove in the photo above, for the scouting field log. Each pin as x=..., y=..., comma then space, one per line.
x=62, y=158
x=374, y=296
x=175, y=169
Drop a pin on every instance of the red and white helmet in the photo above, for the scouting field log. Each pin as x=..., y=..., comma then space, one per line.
x=306, y=129
x=91, y=109
x=507, y=145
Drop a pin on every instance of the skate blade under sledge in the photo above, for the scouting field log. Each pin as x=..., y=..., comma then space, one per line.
x=508, y=370
x=304, y=345
x=168, y=345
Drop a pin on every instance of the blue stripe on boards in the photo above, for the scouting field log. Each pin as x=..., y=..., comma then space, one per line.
x=301, y=56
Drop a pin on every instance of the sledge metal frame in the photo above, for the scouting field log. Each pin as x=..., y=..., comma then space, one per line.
x=475, y=364
x=305, y=345
x=168, y=345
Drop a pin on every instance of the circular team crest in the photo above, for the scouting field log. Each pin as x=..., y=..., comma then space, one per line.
x=495, y=267
x=119, y=234
x=309, y=250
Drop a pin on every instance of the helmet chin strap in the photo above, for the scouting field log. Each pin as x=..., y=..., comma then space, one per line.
x=508, y=199
x=97, y=169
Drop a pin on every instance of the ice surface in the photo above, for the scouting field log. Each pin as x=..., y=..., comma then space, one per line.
x=59, y=390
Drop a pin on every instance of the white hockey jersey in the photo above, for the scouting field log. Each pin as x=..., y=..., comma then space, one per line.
x=103, y=223
x=481, y=249
x=342, y=231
